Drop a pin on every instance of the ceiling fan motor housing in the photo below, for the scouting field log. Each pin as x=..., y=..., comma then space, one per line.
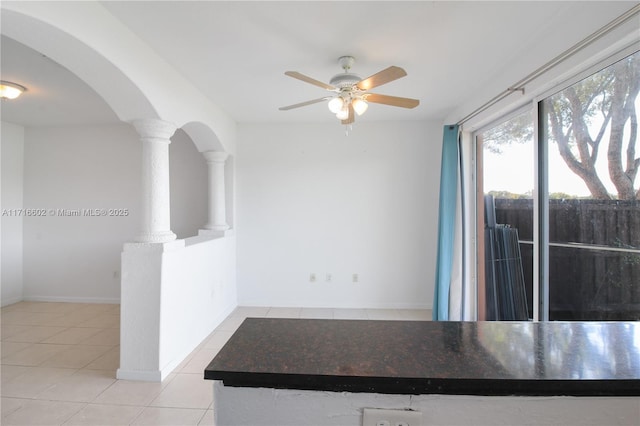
x=344, y=79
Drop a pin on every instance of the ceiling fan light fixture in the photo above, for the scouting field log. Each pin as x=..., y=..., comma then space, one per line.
x=343, y=114
x=359, y=106
x=9, y=90
x=336, y=104
x=351, y=96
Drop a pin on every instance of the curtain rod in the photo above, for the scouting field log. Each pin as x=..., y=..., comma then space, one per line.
x=519, y=86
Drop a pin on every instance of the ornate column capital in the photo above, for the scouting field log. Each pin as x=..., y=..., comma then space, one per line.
x=153, y=128
x=215, y=156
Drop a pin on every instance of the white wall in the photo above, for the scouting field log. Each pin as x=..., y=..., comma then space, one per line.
x=173, y=296
x=198, y=293
x=12, y=154
x=264, y=406
x=312, y=200
x=71, y=258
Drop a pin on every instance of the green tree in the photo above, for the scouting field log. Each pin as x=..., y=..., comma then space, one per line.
x=580, y=116
x=515, y=130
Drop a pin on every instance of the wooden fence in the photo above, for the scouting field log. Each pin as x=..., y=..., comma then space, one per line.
x=591, y=276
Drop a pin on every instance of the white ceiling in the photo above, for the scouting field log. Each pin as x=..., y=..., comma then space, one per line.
x=54, y=97
x=236, y=53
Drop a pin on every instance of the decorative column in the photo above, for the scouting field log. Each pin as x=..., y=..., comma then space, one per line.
x=156, y=208
x=217, y=208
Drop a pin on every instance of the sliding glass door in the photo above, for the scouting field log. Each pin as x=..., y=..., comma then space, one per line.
x=593, y=204
x=506, y=181
x=573, y=198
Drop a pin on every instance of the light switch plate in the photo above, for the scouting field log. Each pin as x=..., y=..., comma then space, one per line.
x=385, y=417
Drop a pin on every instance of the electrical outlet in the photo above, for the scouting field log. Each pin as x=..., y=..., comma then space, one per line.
x=312, y=278
x=355, y=278
x=329, y=278
x=382, y=417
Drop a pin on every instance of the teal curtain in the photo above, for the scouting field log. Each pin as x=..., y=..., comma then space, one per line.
x=446, y=222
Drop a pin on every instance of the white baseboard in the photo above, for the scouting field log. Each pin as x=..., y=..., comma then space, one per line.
x=280, y=304
x=11, y=301
x=63, y=299
x=140, y=376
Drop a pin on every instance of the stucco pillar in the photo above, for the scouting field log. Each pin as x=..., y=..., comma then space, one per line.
x=156, y=208
x=217, y=208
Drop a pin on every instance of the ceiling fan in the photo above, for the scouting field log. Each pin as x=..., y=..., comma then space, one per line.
x=352, y=92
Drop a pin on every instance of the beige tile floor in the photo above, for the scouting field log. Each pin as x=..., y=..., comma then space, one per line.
x=59, y=360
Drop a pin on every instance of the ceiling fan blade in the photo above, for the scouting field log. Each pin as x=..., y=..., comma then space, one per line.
x=391, y=100
x=351, y=117
x=310, y=80
x=382, y=77
x=301, y=104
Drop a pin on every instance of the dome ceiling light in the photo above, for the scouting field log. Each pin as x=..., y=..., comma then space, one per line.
x=9, y=90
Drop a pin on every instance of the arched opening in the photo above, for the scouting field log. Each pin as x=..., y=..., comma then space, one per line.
x=78, y=171
x=205, y=140
x=89, y=171
x=189, y=192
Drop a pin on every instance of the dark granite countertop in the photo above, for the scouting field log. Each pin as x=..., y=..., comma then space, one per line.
x=424, y=357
